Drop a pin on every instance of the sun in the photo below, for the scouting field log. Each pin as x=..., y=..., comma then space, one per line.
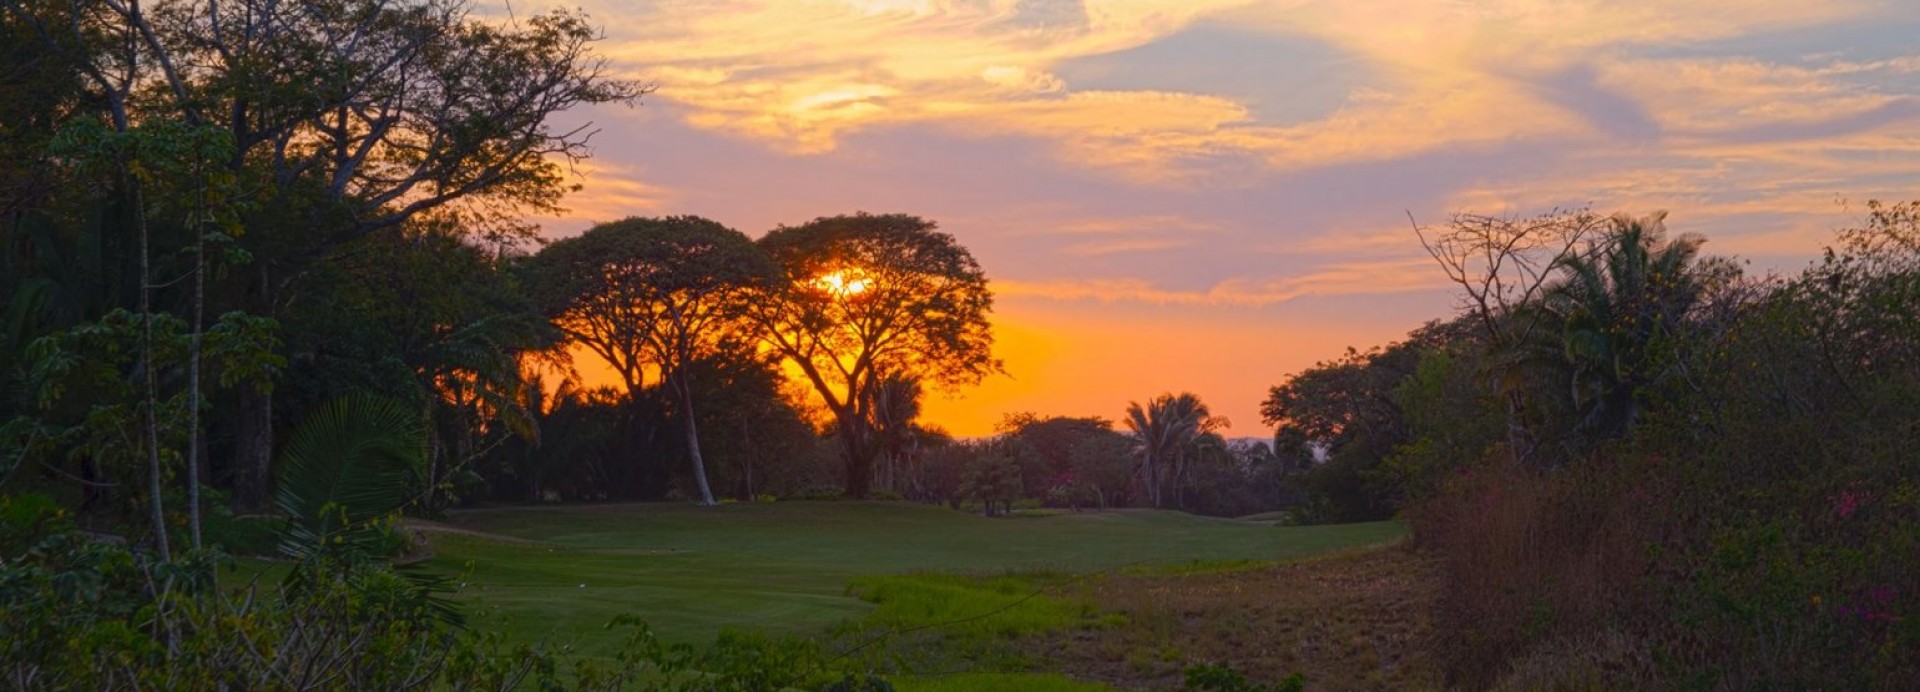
x=845, y=282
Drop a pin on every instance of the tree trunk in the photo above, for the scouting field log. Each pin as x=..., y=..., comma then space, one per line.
x=859, y=462
x=149, y=422
x=253, y=450
x=533, y=485
x=684, y=392
x=1519, y=441
x=1180, y=480
x=193, y=387
x=1153, y=482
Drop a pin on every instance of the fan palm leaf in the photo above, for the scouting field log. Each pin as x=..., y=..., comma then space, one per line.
x=344, y=466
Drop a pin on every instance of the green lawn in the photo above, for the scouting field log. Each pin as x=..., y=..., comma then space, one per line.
x=692, y=571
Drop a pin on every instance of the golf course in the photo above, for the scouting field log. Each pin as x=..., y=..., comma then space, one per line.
x=561, y=573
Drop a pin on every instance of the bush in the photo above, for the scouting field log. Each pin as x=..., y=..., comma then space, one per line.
x=88, y=615
x=1718, y=488
x=1222, y=678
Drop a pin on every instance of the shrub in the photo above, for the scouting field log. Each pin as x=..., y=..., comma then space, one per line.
x=1222, y=678
x=82, y=614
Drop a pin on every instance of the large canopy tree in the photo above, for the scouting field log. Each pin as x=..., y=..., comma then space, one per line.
x=346, y=117
x=867, y=297
x=652, y=293
x=1054, y=440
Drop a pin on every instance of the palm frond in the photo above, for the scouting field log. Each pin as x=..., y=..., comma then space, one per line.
x=346, y=465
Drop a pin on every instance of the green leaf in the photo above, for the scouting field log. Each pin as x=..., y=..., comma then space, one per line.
x=346, y=465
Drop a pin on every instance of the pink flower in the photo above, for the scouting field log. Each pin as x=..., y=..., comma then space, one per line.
x=1850, y=501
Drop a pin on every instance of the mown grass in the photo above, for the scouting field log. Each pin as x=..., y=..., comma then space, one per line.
x=558, y=574
x=974, y=606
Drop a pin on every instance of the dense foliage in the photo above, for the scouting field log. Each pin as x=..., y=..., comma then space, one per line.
x=269, y=258
x=1651, y=471
x=86, y=615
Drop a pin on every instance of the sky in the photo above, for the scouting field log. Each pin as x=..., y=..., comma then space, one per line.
x=1210, y=195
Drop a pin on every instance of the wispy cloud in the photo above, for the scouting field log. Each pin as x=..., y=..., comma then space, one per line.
x=612, y=190
x=802, y=75
x=1356, y=278
x=1111, y=247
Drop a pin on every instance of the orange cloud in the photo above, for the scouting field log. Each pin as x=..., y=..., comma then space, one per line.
x=803, y=74
x=1383, y=277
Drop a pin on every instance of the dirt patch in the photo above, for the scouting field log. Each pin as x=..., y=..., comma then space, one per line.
x=419, y=549
x=1361, y=621
x=424, y=526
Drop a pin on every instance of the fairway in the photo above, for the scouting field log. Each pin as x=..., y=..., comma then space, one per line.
x=560, y=573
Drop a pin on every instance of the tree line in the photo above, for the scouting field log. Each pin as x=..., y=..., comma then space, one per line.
x=219, y=218
x=1636, y=464
x=264, y=285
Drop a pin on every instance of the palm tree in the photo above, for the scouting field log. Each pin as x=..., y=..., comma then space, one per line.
x=896, y=405
x=1164, y=429
x=344, y=467
x=1612, y=307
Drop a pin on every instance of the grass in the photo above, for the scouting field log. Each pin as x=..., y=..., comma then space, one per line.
x=1360, y=620
x=560, y=573
x=977, y=606
x=995, y=682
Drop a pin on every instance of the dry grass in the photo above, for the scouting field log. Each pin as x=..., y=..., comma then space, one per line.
x=1526, y=560
x=1359, y=621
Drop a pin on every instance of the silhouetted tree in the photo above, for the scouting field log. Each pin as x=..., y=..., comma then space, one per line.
x=654, y=293
x=345, y=118
x=1501, y=264
x=1615, y=307
x=867, y=297
x=1165, y=428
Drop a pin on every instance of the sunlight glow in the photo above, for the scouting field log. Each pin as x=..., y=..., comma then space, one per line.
x=844, y=282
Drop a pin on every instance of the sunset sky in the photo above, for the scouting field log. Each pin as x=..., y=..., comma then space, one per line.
x=1209, y=195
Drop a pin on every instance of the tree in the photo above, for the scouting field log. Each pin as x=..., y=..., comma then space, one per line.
x=992, y=474
x=895, y=411
x=1615, y=306
x=419, y=315
x=344, y=467
x=1165, y=428
x=866, y=297
x=1337, y=422
x=346, y=118
x=1450, y=417
x=1103, y=465
x=157, y=171
x=756, y=441
x=1502, y=263
x=1054, y=441
x=652, y=293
